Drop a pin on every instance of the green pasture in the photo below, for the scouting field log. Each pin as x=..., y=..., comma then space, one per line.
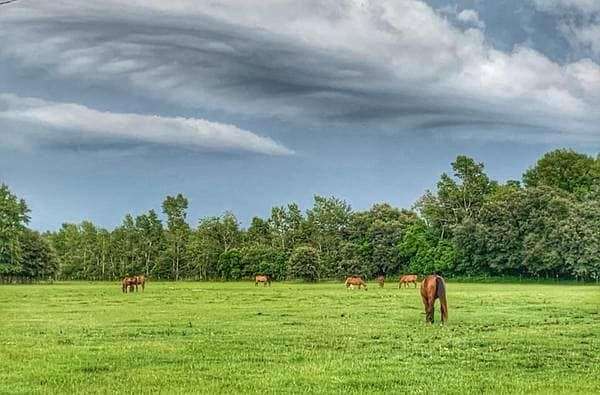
x=195, y=337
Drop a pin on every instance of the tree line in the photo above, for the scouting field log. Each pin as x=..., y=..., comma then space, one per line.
x=547, y=224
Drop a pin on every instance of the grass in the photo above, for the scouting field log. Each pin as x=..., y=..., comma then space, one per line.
x=236, y=338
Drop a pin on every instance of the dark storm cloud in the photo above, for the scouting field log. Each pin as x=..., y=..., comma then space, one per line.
x=394, y=74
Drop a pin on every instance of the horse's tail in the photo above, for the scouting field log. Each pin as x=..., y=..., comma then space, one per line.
x=441, y=295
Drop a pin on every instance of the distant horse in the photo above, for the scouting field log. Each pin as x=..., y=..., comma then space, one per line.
x=407, y=279
x=140, y=280
x=265, y=280
x=381, y=280
x=129, y=283
x=132, y=283
x=433, y=287
x=355, y=281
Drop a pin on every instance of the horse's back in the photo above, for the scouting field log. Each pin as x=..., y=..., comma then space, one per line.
x=428, y=286
x=409, y=278
x=433, y=286
x=355, y=280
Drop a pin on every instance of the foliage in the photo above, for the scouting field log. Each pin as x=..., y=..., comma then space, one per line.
x=304, y=264
x=13, y=219
x=545, y=226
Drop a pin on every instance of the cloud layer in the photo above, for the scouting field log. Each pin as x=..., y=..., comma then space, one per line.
x=67, y=123
x=579, y=22
x=399, y=64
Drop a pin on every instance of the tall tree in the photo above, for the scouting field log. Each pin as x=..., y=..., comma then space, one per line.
x=178, y=232
x=13, y=220
x=566, y=170
x=327, y=223
x=38, y=258
x=152, y=240
x=457, y=199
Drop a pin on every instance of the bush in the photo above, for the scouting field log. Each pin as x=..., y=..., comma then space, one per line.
x=304, y=264
x=230, y=265
x=264, y=260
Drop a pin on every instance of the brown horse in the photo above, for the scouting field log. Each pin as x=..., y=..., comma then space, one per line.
x=433, y=287
x=381, y=280
x=132, y=283
x=265, y=280
x=407, y=279
x=140, y=280
x=128, y=283
x=355, y=281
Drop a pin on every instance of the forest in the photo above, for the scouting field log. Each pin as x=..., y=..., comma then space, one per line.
x=545, y=225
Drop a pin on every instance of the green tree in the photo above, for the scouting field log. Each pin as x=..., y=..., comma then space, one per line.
x=178, y=232
x=213, y=237
x=151, y=239
x=328, y=224
x=457, y=199
x=566, y=170
x=261, y=259
x=287, y=227
x=229, y=265
x=304, y=264
x=38, y=258
x=13, y=221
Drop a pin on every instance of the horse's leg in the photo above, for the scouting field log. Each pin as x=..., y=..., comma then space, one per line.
x=443, y=308
x=428, y=303
x=431, y=310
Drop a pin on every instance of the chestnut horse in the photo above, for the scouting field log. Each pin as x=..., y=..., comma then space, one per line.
x=407, y=279
x=355, y=280
x=381, y=280
x=128, y=283
x=433, y=287
x=141, y=280
x=133, y=282
x=265, y=280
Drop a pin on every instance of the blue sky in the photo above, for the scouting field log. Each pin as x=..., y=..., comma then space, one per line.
x=105, y=108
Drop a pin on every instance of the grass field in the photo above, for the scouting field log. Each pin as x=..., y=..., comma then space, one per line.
x=237, y=338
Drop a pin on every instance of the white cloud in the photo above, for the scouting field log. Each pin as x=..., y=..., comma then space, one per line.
x=52, y=120
x=396, y=62
x=579, y=21
x=470, y=17
x=585, y=38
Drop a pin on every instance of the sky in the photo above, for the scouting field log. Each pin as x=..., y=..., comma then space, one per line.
x=108, y=107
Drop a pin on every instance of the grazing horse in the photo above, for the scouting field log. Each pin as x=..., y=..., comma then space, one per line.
x=407, y=279
x=355, y=281
x=433, y=287
x=381, y=280
x=265, y=280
